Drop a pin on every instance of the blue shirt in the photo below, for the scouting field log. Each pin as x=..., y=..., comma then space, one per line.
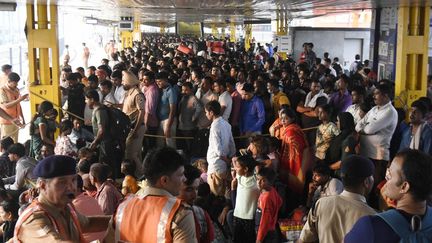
x=252, y=115
x=371, y=229
x=341, y=101
x=167, y=98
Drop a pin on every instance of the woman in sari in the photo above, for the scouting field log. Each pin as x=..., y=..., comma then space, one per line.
x=41, y=131
x=294, y=160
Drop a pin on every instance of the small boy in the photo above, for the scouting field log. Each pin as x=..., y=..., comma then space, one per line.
x=269, y=203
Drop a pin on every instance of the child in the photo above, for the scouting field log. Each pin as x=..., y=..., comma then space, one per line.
x=129, y=184
x=269, y=203
x=64, y=145
x=9, y=215
x=202, y=165
x=325, y=133
x=245, y=194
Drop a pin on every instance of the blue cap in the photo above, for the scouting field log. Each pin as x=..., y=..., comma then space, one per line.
x=55, y=166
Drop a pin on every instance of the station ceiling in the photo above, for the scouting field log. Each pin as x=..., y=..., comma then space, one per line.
x=216, y=11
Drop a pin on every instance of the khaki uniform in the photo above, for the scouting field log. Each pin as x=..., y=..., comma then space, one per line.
x=39, y=227
x=133, y=103
x=333, y=217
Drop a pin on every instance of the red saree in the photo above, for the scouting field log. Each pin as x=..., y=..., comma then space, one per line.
x=295, y=158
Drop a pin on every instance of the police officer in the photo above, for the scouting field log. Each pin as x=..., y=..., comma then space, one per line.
x=156, y=215
x=50, y=217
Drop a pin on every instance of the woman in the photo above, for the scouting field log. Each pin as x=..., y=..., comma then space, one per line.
x=40, y=131
x=343, y=144
x=325, y=133
x=294, y=161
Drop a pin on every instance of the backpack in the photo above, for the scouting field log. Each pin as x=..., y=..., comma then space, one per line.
x=404, y=229
x=119, y=124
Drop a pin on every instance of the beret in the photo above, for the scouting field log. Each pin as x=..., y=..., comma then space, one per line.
x=357, y=166
x=55, y=166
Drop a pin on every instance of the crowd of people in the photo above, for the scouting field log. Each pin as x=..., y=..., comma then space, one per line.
x=180, y=139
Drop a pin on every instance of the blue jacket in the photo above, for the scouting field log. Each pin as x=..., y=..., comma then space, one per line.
x=425, y=139
x=252, y=115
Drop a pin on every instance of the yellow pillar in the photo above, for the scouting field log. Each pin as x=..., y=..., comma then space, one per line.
x=44, y=69
x=282, y=29
x=162, y=28
x=126, y=38
x=214, y=31
x=412, y=54
x=137, y=29
x=232, y=32
x=248, y=36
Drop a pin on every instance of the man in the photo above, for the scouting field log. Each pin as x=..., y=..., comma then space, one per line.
x=327, y=63
x=75, y=99
x=10, y=99
x=221, y=147
x=86, y=55
x=236, y=105
x=50, y=217
x=103, y=139
x=151, y=92
x=341, y=99
x=225, y=99
x=196, y=76
x=24, y=168
x=310, y=55
x=106, y=96
x=156, y=215
x=332, y=217
x=188, y=193
x=108, y=196
x=119, y=91
x=6, y=70
x=355, y=64
x=101, y=74
x=87, y=205
x=376, y=130
x=167, y=109
x=252, y=112
x=408, y=183
x=310, y=102
x=80, y=134
x=6, y=166
x=357, y=94
x=323, y=184
x=205, y=95
x=419, y=134
x=133, y=107
x=337, y=67
x=278, y=98
x=189, y=111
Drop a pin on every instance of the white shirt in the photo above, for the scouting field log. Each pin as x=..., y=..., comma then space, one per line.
x=119, y=94
x=333, y=71
x=355, y=112
x=108, y=99
x=225, y=99
x=247, y=197
x=221, y=143
x=311, y=102
x=378, y=127
x=415, y=138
